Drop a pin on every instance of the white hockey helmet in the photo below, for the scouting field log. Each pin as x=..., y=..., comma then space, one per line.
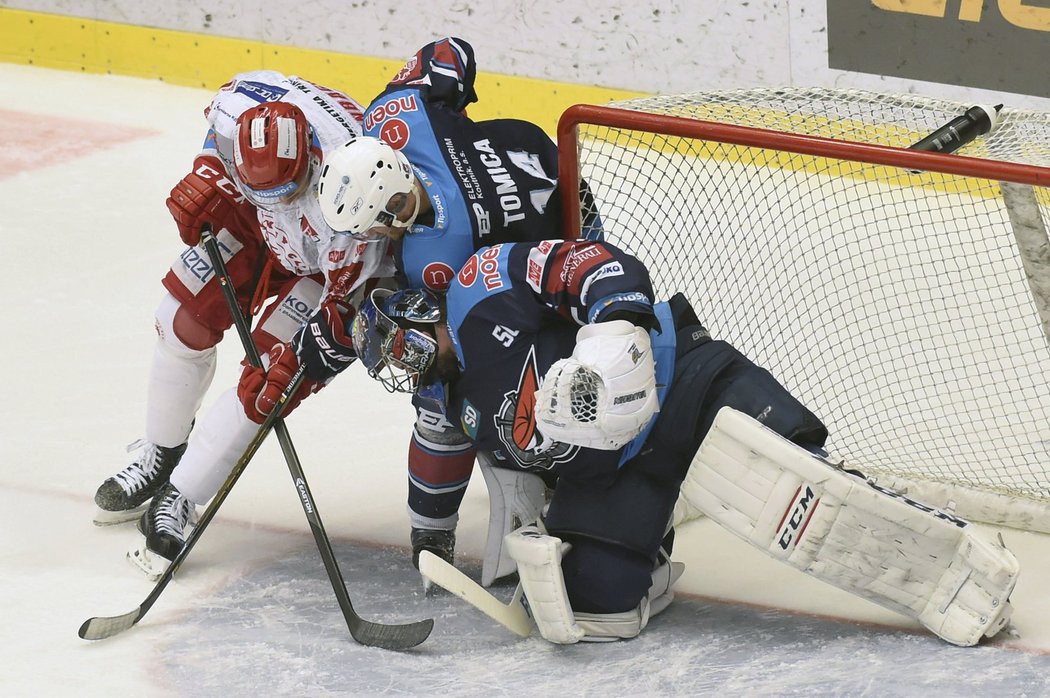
x=357, y=181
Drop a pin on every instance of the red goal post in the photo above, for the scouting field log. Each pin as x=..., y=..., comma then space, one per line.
x=904, y=296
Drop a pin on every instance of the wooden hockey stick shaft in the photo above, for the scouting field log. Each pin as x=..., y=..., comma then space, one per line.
x=511, y=616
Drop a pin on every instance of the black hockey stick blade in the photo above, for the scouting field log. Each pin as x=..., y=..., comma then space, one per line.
x=101, y=627
x=390, y=637
x=387, y=637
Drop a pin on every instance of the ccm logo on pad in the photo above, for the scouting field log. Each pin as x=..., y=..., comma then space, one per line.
x=796, y=517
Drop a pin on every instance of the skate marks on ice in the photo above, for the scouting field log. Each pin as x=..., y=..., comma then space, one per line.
x=279, y=632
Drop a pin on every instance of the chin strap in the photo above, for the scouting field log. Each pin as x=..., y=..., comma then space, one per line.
x=417, y=195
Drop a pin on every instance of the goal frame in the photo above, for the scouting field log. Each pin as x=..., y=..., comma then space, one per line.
x=569, y=168
x=1020, y=512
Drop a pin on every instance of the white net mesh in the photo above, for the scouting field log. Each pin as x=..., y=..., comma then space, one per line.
x=895, y=304
x=583, y=393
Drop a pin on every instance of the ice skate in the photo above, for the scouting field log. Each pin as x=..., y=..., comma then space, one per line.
x=163, y=528
x=125, y=496
x=439, y=542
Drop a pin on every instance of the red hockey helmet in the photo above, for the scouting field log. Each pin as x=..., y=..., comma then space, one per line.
x=272, y=152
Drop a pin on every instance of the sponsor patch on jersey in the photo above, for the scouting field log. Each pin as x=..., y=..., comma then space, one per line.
x=606, y=270
x=409, y=71
x=580, y=259
x=437, y=276
x=395, y=133
x=537, y=261
x=400, y=104
x=488, y=268
x=469, y=418
x=291, y=312
x=260, y=91
x=194, y=269
x=534, y=275
x=469, y=273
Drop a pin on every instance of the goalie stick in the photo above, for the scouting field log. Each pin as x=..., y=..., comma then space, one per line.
x=394, y=637
x=510, y=615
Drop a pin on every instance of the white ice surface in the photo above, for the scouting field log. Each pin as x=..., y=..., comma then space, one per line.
x=85, y=240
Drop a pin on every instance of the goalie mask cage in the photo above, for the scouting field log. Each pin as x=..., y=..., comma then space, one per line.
x=901, y=295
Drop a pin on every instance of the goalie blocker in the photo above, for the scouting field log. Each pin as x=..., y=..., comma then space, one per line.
x=846, y=530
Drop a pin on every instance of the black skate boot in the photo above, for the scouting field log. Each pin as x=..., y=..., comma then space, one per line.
x=124, y=496
x=441, y=543
x=164, y=528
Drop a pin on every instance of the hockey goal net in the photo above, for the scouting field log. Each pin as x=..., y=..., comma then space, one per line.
x=904, y=296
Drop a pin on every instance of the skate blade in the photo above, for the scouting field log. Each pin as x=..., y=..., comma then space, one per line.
x=149, y=563
x=112, y=518
x=430, y=589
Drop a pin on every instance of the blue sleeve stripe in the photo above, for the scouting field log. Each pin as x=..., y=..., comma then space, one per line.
x=664, y=346
x=622, y=301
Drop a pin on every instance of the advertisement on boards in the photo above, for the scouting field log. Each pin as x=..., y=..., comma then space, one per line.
x=1000, y=45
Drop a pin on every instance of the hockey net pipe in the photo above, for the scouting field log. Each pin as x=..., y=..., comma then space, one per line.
x=904, y=296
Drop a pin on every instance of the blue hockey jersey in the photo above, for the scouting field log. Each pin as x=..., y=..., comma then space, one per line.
x=489, y=182
x=513, y=310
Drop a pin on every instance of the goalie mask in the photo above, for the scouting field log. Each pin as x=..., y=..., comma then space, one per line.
x=394, y=353
x=273, y=145
x=357, y=182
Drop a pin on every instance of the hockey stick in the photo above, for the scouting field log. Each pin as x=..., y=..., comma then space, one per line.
x=101, y=627
x=511, y=615
x=365, y=632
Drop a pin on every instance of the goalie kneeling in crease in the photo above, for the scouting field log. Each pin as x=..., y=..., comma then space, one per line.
x=555, y=359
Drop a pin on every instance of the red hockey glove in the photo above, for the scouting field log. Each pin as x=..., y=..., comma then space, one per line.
x=206, y=195
x=260, y=389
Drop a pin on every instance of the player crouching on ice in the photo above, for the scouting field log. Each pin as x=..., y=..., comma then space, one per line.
x=553, y=357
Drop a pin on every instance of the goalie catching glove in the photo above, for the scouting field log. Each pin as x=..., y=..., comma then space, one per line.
x=605, y=393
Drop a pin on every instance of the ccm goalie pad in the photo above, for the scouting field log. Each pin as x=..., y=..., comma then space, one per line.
x=845, y=530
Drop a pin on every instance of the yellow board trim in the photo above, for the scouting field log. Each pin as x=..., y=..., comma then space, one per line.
x=200, y=60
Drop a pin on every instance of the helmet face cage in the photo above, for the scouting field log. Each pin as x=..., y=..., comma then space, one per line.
x=394, y=355
x=273, y=152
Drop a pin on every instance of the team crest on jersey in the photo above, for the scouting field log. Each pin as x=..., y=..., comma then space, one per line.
x=516, y=424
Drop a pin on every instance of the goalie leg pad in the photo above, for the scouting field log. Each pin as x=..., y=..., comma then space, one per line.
x=516, y=498
x=539, y=558
x=926, y=564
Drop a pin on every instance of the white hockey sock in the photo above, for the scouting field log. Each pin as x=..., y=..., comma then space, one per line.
x=178, y=379
x=219, y=440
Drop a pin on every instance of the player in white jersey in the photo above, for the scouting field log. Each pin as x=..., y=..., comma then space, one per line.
x=254, y=182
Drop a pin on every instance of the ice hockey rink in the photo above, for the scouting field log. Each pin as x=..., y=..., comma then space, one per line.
x=86, y=162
